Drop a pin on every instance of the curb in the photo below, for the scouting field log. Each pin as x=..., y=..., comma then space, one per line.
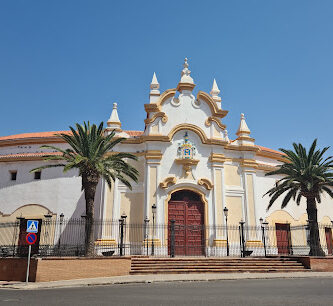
x=148, y=279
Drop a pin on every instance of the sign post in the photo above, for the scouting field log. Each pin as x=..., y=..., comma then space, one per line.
x=31, y=238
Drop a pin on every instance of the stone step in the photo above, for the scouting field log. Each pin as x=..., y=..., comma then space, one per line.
x=217, y=268
x=213, y=259
x=213, y=263
x=175, y=271
x=216, y=264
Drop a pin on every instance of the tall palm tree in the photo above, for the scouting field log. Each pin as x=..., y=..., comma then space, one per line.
x=305, y=174
x=88, y=152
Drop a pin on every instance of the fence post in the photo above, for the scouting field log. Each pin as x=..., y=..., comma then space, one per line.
x=263, y=236
x=147, y=234
x=121, y=220
x=16, y=230
x=172, y=238
x=242, y=238
x=60, y=230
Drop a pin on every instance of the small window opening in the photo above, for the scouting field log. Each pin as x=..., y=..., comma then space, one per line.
x=38, y=175
x=13, y=175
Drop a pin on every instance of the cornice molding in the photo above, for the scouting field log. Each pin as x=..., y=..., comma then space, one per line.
x=153, y=154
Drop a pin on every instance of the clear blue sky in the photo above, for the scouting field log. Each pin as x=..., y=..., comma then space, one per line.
x=63, y=62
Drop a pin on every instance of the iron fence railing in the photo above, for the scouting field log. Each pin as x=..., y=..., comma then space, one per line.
x=67, y=237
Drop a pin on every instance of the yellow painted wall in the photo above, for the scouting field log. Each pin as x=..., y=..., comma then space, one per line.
x=152, y=188
x=132, y=205
x=231, y=175
x=218, y=200
x=234, y=204
x=140, y=166
x=250, y=199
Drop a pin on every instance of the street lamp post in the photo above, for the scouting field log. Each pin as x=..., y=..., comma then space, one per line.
x=263, y=224
x=146, y=234
x=225, y=211
x=122, y=222
x=153, y=209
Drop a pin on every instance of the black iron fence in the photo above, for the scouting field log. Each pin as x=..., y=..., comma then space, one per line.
x=68, y=238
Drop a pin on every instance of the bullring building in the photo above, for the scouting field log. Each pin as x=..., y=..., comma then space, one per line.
x=190, y=168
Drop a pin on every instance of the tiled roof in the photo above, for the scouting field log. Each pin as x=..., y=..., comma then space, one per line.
x=264, y=149
x=20, y=155
x=33, y=135
x=54, y=134
x=134, y=133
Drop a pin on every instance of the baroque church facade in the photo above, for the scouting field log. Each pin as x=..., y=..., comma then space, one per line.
x=189, y=166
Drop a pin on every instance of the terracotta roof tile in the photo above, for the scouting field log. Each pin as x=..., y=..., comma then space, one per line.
x=54, y=134
x=33, y=135
x=269, y=150
x=35, y=154
x=134, y=133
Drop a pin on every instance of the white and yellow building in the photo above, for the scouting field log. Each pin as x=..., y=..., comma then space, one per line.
x=184, y=146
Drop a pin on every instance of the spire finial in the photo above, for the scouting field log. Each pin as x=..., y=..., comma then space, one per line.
x=154, y=85
x=215, y=92
x=154, y=89
x=186, y=73
x=114, y=122
x=243, y=133
x=243, y=129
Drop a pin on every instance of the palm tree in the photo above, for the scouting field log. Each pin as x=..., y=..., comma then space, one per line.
x=88, y=152
x=305, y=174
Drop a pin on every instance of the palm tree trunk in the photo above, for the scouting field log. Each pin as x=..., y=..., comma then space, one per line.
x=315, y=247
x=89, y=183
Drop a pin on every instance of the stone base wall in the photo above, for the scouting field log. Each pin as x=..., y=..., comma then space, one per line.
x=15, y=269
x=52, y=269
x=318, y=264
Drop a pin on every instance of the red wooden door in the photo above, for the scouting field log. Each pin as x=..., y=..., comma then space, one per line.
x=188, y=212
x=329, y=242
x=282, y=238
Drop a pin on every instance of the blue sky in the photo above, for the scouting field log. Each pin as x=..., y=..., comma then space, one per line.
x=63, y=62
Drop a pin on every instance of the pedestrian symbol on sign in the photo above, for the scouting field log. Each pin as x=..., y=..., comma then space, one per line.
x=32, y=226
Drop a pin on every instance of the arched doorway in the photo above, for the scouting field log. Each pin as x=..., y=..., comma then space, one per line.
x=187, y=209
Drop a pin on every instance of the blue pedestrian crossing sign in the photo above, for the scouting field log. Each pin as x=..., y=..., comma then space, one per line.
x=32, y=226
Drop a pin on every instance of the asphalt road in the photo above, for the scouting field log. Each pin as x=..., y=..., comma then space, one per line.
x=311, y=291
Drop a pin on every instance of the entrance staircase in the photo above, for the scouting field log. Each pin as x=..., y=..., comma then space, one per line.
x=213, y=265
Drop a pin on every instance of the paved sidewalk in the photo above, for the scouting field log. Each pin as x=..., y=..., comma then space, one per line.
x=132, y=279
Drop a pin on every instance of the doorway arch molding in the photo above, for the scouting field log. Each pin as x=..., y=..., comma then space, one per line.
x=201, y=191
